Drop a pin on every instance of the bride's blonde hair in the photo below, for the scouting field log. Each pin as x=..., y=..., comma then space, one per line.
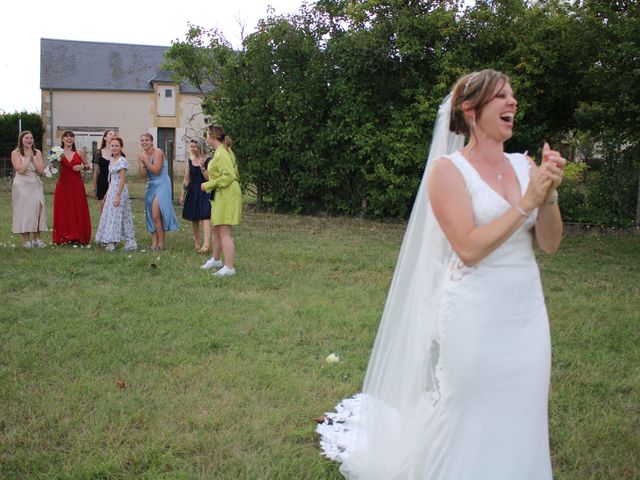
x=478, y=89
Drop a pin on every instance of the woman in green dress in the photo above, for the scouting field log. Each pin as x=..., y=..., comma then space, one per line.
x=226, y=209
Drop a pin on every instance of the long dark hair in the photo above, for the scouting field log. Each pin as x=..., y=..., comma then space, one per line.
x=19, y=147
x=64, y=134
x=104, y=137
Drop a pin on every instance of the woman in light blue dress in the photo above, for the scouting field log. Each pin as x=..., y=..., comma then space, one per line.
x=157, y=200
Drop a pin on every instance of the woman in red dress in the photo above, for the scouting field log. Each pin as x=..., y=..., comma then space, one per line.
x=71, y=220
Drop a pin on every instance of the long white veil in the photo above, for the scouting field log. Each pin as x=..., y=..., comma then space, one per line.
x=373, y=433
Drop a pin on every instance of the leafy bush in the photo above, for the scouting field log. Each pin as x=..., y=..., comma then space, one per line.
x=573, y=192
x=9, y=130
x=332, y=108
x=612, y=190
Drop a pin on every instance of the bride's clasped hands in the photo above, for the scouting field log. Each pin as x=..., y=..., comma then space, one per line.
x=552, y=168
x=544, y=181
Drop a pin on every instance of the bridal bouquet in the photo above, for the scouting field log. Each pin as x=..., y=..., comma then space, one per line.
x=55, y=154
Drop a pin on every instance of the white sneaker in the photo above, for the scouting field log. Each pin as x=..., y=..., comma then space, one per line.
x=225, y=272
x=39, y=243
x=212, y=263
x=27, y=245
x=130, y=246
x=110, y=247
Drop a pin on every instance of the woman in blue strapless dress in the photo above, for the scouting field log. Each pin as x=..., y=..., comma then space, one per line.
x=157, y=200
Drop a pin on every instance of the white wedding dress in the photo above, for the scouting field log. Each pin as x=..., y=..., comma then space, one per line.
x=483, y=415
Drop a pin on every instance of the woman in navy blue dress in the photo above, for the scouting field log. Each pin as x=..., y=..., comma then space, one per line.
x=196, y=204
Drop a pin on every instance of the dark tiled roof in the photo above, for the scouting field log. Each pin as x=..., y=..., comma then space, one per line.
x=76, y=65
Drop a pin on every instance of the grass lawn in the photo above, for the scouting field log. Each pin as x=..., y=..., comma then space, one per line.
x=140, y=365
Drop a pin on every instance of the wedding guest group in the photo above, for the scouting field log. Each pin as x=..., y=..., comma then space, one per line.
x=27, y=195
x=211, y=197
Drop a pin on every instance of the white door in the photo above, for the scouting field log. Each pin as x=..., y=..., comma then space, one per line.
x=166, y=101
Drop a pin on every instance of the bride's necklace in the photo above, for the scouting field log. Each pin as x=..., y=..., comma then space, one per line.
x=499, y=174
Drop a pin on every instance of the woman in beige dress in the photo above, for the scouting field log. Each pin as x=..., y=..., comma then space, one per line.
x=27, y=196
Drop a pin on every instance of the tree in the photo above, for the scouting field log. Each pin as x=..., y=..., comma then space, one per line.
x=384, y=57
x=332, y=108
x=610, y=108
x=10, y=124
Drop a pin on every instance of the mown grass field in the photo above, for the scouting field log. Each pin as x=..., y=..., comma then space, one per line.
x=140, y=365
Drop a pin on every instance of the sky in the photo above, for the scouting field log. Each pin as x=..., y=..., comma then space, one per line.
x=117, y=21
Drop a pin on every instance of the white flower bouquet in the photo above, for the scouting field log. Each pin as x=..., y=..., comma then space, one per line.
x=55, y=154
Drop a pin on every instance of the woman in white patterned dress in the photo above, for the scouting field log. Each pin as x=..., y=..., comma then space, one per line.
x=457, y=383
x=116, y=221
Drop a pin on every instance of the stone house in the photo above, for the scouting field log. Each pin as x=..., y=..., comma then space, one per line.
x=89, y=87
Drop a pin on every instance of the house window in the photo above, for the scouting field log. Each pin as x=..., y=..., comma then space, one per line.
x=168, y=93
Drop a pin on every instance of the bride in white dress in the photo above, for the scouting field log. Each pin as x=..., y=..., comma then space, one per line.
x=457, y=383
